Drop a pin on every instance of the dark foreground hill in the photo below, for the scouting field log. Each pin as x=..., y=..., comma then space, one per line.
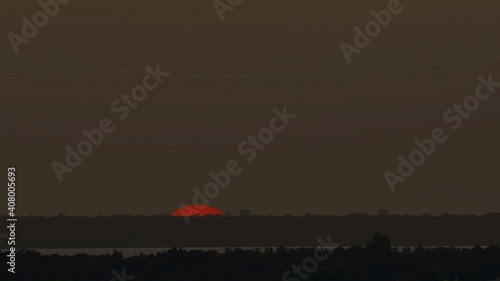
x=375, y=262
x=253, y=231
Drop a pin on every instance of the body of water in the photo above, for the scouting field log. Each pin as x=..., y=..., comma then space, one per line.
x=128, y=252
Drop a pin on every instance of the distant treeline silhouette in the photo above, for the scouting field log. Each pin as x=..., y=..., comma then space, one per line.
x=254, y=231
x=376, y=261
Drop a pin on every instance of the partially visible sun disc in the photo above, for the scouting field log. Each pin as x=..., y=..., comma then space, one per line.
x=197, y=210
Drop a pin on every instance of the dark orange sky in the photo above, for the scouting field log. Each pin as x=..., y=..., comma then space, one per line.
x=353, y=120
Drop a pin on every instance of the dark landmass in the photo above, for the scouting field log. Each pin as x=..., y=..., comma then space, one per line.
x=253, y=231
x=376, y=261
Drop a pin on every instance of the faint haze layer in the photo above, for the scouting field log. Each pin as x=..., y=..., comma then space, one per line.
x=161, y=231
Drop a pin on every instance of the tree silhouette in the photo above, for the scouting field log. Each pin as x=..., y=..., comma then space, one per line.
x=245, y=213
x=383, y=212
x=379, y=242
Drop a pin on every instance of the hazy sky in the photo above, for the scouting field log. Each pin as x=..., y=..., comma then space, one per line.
x=353, y=120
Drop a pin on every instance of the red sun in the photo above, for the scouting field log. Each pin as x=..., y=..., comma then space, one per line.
x=197, y=210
